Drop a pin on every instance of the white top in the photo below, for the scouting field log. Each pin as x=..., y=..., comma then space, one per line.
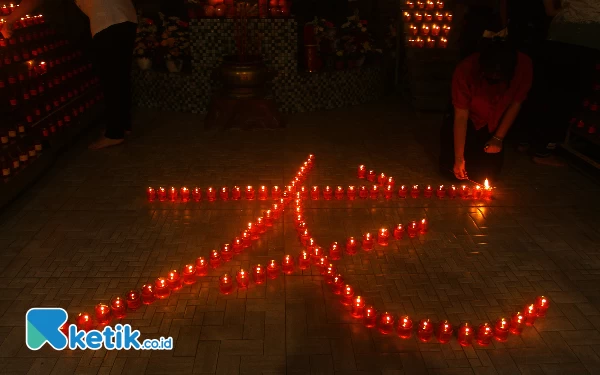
x=105, y=13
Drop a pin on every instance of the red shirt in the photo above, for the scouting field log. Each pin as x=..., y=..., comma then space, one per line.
x=487, y=103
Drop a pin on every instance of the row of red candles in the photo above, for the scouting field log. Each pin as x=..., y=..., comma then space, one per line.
x=428, y=4
x=163, y=286
x=427, y=17
x=425, y=30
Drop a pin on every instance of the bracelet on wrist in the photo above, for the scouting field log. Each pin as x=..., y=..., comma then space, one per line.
x=498, y=138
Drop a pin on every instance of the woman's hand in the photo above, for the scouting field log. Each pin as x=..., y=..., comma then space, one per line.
x=493, y=146
x=459, y=169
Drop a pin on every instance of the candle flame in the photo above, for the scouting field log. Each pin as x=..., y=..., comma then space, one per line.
x=423, y=221
x=486, y=184
x=258, y=269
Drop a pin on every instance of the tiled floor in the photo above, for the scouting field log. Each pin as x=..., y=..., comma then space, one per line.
x=85, y=232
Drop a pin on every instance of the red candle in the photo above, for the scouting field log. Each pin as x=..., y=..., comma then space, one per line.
x=249, y=192
x=322, y=264
x=238, y=245
x=335, y=252
x=444, y=333
x=448, y=16
x=371, y=176
x=197, y=194
x=263, y=193
x=430, y=44
x=367, y=242
x=423, y=226
x=290, y=189
x=185, y=194
x=162, y=194
x=485, y=334
x=211, y=194
x=418, y=17
x=134, y=300
x=381, y=179
x=189, y=274
x=287, y=264
x=441, y=192
x=338, y=284
x=304, y=260
x=273, y=269
x=304, y=237
x=84, y=322
x=298, y=219
x=399, y=232
x=201, y=266
x=465, y=334
x=362, y=171
x=517, y=323
x=487, y=190
x=225, y=284
x=258, y=272
x=224, y=193
x=435, y=30
x=260, y=225
x=118, y=307
x=236, y=193
x=102, y=313
x=390, y=181
x=268, y=215
x=173, y=194
x=404, y=327
x=428, y=191
x=339, y=193
x=386, y=323
x=425, y=330
x=242, y=279
x=542, y=303
x=358, y=307
x=327, y=193
x=413, y=229
x=330, y=273
x=301, y=228
x=253, y=231
x=351, y=192
x=440, y=4
x=370, y=316
x=347, y=294
x=148, y=294
x=452, y=192
x=383, y=237
x=402, y=191
x=246, y=239
x=430, y=4
x=530, y=314
x=351, y=246
x=414, y=192
x=275, y=192
x=315, y=251
x=303, y=192
x=276, y=208
x=501, y=329
x=174, y=281
x=439, y=16
x=477, y=192
x=388, y=192
x=428, y=17
x=314, y=193
x=215, y=259
x=151, y=194
x=363, y=192
x=406, y=17
x=161, y=289
x=410, y=4
x=374, y=192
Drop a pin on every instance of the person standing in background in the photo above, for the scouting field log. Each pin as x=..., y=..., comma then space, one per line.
x=113, y=25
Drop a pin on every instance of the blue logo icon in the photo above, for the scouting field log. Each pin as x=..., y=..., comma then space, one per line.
x=42, y=325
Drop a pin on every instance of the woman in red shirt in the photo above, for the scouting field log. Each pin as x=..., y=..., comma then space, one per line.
x=488, y=88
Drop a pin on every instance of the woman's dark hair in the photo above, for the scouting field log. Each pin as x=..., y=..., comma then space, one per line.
x=498, y=59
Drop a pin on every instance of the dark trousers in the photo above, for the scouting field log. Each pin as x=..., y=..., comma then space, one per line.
x=113, y=54
x=478, y=163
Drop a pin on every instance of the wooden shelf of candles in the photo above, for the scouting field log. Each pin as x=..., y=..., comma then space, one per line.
x=427, y=24
x=47, y=94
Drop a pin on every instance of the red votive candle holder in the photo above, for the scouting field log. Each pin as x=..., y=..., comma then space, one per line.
x=444, y=333
x=358, y=307
x=339, y=193
x=335, y=252
x=370, y=318
x=415, y=191
x=148, y=294
x=399, y=232
x=363, y=192
x=273, y=269
x=404, y=327
x=161, y=288
x=441, y=192
x=298, y=219
x=402, y=191
x=530, y=314
x=303, y=192
x=428, y=192
x=423, y=226
x=371, y=176
x=315, y=251
x=118, y=307
x=242, y=279
x=464, y=192
x=347, y=295
x=173, y=193
x=84, y=322
x=381, y=179
x=337, y=284
x=151, y=193
x=351, y=192
x=517, y=323
x=246, y=239
x=185, y=194
x=413, y=229
x=304, y=260
x=225, y=284
x=388, y=192
x=226, y=252
x=253, y=231
x=485, y=334
x=287, y=264
x=477, y=192
x=260, y=225
x=330, y=272
x=162, y=194
x=501, y=330
x=290, y=189
x=102, y=313
x=487, y=190
x=327, y=193
x=383, y=237
x=276, y=208
x=134, y=300
x=224, y=193
x=410, y=4
x=465, y=334
x=301, y=228
x=542, y=303
x=304, y=237
x=215, y=259
x=374, y=192
x=236, y=193
x=322, y=264
x=197, y=194
x=351, y=246
x=362, y=171
x=390, y=182
x=201, y=266
x=276, y=192
x=314, y=193
x=425, y=330
x=174, y=281
x=386, y=323
x=259, y=274
x=211, y=194
x=189, y=274
x=367, y=242
x=268, y=216
x=249, y=192
x=237, y=245
x=452, y=192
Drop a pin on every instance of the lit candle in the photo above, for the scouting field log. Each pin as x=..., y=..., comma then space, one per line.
x=465, y=334
x=404, y=327
x=268, y=216
x=347, y=295
x=102, y=313
x=517, y=323
x=406, y=17
x=477, y=192
x=162, y=194
x=363, y=192
x=441, y=192
x=303, y=192
x=530, y=314
x=301, y=228
x=323, y=264
x=290, y=189
x=211, y=194
x=197, y=194
x=151, y=194
x=362, y=170
x=238, y=245
x=201, y=266
x=327, y=193
x=371, y=176
x=304, y=260
x=84, y=322
x=273, y=269
x=276, y=208
x=315, y=251
x=424, y=30
x=161, y=290
x=446, y=29
x=381, y=179
x=242, y=279
x=304, y=237
x=287, y=264
x=215, y=259
x=338, y=284
x=351, y=246
x=174, y=280
x=443, y=43
x=487, y=190
x=386, y=323
x=335, y=252
x=351, y=193
x=225, y=284
x=249, y=192
x=258, y=272
x=260, y=225
x=263, y=193
x=484, y=334
x=464, y=192
x=226, y=252
x=374, y=192
x=448, y=16
x=439, y=16
x=452, y=192
x=440, y=4
x=118, y=307
x=413, y=29
x=428, y=17
x=428, y=191
x=415, y=191
x=444, y=333
x=430, y=4
x=542, y=303
x=224, y=193
x=148, y=294
x=253, y=231
x=370, y=319
x=189, y=274
x=388, y=192
x=275, y=192
x=413, y=229
x=418, y=17
x=173, y=194
x=330, y=273
x=185, y=194
x=399, y=232
x=314, y=193
x=236, y=193
x=383, y=237
x=134, y=300
x=425, y=330
x=402, y=191
x=501, y=330
x=430, y=44
x=339, y=193
x=367, y=242
x=423, y=226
